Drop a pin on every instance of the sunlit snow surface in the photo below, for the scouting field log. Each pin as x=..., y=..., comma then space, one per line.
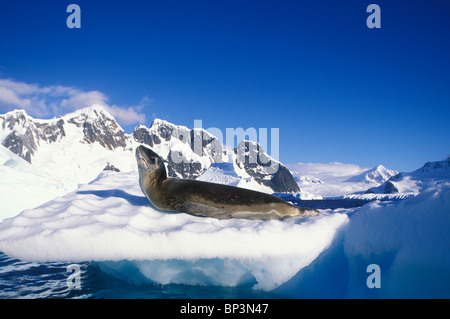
x=109, y=221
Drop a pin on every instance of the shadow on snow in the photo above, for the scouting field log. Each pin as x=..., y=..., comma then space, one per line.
x=132, y=199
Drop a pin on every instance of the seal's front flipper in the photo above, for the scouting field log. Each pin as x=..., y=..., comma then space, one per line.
x=201, y=210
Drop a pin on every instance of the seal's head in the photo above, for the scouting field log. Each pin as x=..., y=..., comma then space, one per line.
x=150, y=166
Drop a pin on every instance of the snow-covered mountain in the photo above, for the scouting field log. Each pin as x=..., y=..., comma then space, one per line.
x=92, y=137
x=251, y=167
x=25, y=135
x=337, y=179
x=354, y=182
x=437, y=169
x=251, y=160
x=411, y=183
x=94, y=128
x=73, y=149
x=221, y=173
x=379, y=174
x=308, y=180
x=187, y=152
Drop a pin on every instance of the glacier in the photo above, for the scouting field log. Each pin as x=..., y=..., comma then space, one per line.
x=110, y=222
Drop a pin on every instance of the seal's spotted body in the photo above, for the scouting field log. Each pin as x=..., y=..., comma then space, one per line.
x=207, y=199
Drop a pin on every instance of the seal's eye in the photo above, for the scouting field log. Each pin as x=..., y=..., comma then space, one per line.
x=152, y=160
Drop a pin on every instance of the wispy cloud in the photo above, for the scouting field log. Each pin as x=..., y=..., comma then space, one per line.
x=84, y=99
x=55, y=100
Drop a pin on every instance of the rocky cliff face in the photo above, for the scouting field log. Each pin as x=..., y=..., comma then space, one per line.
x=187, y=152
x=251, y=158
x=24, y=134
x=99, y=126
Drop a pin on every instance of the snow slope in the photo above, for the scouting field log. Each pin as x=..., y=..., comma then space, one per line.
x=187, y=152
x=111, y=222
x=23, y=186
x=221, y=173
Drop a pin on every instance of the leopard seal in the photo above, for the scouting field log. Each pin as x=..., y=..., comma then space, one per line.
x=206, y=199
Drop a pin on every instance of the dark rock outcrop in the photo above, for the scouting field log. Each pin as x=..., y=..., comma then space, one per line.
x=265, y=170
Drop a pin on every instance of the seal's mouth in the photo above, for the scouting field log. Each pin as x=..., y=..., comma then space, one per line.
x=146, y=158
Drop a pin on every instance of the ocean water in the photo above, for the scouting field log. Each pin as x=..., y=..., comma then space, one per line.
x=20, y=279
x=30, y=280
x=329, y=203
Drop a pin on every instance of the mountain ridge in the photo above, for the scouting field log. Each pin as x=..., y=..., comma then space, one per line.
x=187, y=153
x=413, y=182
x=378, y=174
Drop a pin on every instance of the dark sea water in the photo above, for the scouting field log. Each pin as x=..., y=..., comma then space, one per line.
x=31, y=280
x=19, y=279
x=329, y=203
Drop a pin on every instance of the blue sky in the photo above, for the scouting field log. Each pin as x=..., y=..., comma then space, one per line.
x=337, y=90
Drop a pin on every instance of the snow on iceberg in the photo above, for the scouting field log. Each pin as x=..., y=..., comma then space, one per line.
x=409, y=240
x=111, y=222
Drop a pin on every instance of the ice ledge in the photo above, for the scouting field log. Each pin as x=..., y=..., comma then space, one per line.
x=110, y=220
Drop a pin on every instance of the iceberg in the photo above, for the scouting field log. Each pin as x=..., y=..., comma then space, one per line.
x=408, y=240
x=109, y=221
